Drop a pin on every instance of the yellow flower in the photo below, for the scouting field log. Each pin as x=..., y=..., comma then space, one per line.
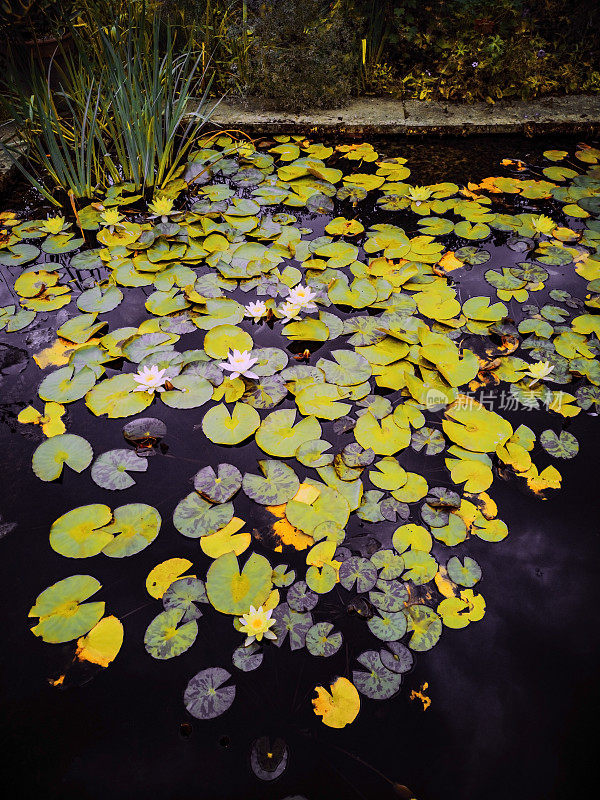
x=111, y=218
x=161, y=207
x=256, y=624
x=53, y=224
x=539, y=371
x=543, y=224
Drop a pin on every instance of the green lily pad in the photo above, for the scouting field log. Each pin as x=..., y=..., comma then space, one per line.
x=320, y=641
x=247, y=658
x=184, y=594
x=233, y=592
x=81, y=532
x=378, y=683
x=166, y=638
x=191, y=391
x=280, y=483
x=397, y=658
x=359, y=571
x=222, y=427
x=565, y=445
x=389, y=626
x=205, y=697
x=116, y=397
x=65, y=386
x=220, y=486
x=424, y=625
x=63, y=616
x=66, y=448
x=110, y=469
x=279, y=436
x=195, y=517
x=134, y=527
x=466, y=574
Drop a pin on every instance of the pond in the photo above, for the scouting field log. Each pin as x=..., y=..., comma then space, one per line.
x=440, y=571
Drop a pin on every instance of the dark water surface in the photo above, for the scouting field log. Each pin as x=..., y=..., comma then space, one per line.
x=513, y=697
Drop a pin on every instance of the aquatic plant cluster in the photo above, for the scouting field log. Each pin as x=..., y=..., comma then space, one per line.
x=346, y=357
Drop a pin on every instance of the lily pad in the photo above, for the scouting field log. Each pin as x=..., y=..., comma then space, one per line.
x=166, y=638
x=110, y=469
x=66, y=448
x=63, y=614
x=205, y=697
x=280, y=483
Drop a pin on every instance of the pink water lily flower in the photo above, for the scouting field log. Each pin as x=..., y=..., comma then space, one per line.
x=150, y=379
x=239, y=363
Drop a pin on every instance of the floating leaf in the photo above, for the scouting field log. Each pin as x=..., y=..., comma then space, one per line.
x=166, y=638
x=134, y=527
x=110, y=469
x=66, y=448
x=205, y=697
x=222, y=427
x=62, y=613
x=565, y=445
x=233, y=592
x=379, y=683
x=279, y=484
x=340, y=707
x=220, y=486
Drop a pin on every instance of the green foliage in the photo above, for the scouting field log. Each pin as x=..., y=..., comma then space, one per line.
x=122, y=110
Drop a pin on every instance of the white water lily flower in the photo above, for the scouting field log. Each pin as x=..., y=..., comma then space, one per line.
x=256, y=310
x=289, y=311
x=239, y=363
x=539, y=371
x=150, y=379
x=302, y=296
x=256, y=624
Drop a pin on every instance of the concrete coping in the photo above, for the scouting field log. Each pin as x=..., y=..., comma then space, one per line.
x=385, y=117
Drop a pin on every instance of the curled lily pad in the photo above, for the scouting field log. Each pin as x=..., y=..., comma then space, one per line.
x=565, y=445
x=110, y=469
x=195, y=517
x=166, y=638
x=220, y=486
x=279, y=484
x=66, y=448
x=205, y=697
x=63, y=614
x=145, y=432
